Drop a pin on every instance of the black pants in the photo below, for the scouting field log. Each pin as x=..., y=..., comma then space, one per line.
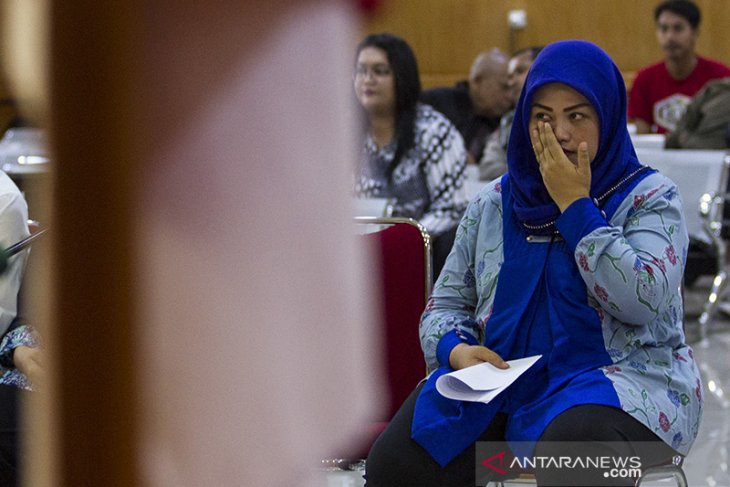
x=10, y=398
x=395, y=460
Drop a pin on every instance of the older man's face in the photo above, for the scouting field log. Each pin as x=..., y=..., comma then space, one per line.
x=491, y=94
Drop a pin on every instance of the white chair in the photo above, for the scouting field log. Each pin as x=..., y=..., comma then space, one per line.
x=713, y=208
x=648, y=141
x=404, y=283
x=670, y=471
x=374, y=207
x=695, y=172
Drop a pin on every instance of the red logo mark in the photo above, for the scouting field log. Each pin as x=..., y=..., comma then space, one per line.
x=487, y=463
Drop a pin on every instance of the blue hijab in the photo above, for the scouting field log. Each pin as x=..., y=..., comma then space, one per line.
x=587, y=69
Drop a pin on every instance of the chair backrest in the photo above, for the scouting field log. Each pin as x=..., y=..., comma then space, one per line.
x=404, y=249
x=648, y=141
x=376, y=207
x=670, y=470
x=714, y=206
x=695, y=172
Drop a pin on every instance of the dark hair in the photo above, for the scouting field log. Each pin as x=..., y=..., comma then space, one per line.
x=407, y=86
x=533, y=50
x=684, y=8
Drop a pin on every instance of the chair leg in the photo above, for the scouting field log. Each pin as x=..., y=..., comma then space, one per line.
x=710, y=309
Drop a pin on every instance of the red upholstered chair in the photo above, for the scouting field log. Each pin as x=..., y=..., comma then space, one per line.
x=404, y=250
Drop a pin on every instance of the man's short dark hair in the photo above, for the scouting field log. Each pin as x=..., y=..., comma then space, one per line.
x=683, y=8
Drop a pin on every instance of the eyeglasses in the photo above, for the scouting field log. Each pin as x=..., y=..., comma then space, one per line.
x=378, y=71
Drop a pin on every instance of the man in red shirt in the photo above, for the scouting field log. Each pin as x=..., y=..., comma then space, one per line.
x=660, y=92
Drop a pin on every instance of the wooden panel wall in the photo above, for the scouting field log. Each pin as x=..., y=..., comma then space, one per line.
x=447, y=34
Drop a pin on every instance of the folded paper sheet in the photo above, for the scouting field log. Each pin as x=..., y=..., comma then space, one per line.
x=482, y=382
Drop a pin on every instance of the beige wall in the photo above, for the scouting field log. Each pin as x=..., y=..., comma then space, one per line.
x=447, y=34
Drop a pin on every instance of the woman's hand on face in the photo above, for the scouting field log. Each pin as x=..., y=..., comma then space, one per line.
x=464, y=355
x=29, y=361
x=565, y=182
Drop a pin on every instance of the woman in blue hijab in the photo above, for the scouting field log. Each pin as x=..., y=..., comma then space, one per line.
x=575, y=255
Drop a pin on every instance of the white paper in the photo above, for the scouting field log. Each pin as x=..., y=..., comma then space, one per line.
x=482, y=382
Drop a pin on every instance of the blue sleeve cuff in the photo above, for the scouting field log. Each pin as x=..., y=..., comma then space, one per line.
x=448, y=342
x=578, y=220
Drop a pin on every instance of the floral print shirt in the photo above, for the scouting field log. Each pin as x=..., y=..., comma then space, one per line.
x=631, y=268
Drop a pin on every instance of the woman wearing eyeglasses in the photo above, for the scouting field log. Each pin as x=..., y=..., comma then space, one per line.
x=412, y=153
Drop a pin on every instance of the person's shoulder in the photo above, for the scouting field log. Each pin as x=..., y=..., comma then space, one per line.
x=8, y=186
x=487, y=200
x=426, y=111
x=458, y=87
x=434, y=92
x=439, y=92
x=654, y=186
x=713, y=66
x=12, y=200
x=493, y=190
x=433, y=128
x=646, y=77
x=428, y=116
x=445, y=97
x=650, y=70
x=654, y=67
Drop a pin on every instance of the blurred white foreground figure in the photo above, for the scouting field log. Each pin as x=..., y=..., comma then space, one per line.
x=256, y=332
